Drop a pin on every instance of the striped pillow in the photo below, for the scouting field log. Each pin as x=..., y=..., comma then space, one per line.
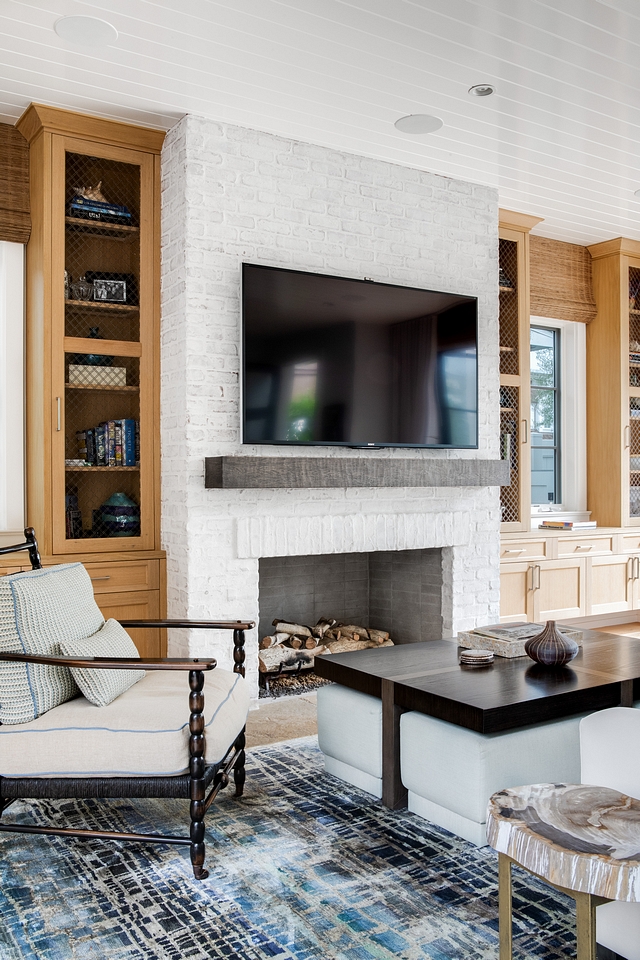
x=38, y=610
x=103, y=686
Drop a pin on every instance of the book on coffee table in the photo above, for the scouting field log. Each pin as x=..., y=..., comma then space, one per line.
x=508, y=639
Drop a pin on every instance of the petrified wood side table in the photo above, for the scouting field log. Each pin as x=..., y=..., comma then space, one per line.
x=581, y=839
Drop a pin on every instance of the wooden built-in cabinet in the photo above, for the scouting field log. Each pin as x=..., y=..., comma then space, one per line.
x=613, y=385
x=564, y=574
x=515, y=499
x=93, y=440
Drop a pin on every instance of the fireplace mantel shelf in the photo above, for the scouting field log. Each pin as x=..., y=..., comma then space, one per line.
x=237, y=473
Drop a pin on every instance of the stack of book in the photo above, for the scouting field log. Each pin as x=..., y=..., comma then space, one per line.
x=508, y=639
x=99, y=210
x=113, y=443
x=568, y=524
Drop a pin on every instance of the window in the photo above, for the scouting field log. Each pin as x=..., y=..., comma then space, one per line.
x=545, y=446
x=11, y=391
x=558, y=418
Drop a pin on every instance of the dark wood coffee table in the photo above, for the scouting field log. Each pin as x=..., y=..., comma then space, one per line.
x=502, y=696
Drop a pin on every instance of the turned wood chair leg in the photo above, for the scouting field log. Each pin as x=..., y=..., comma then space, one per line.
x=239, y=773
x=196, y=771
x=505, y=920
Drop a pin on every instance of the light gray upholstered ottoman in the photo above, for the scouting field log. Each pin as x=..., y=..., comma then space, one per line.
x=350, y=736
x=450, y=772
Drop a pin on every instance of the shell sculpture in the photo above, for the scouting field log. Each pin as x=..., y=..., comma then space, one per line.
x=550, y=647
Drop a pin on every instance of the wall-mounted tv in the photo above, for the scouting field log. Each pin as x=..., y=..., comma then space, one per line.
x=339, y=361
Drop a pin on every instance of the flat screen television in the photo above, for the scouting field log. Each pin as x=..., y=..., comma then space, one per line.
x=337, y=361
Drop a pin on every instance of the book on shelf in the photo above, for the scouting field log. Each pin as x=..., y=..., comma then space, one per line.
x=568, y=524
x=82, y=213
x=102, y=205
x=113, y=443
x=129, y=443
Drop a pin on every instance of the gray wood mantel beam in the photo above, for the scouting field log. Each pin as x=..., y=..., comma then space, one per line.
x=236, y=473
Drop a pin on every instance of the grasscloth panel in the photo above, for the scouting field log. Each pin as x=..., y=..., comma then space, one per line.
x=561, y=285
x=15, y=218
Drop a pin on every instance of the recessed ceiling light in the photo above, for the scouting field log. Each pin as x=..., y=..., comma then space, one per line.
x=481, y=90
x=89, y=32
x=417, y=123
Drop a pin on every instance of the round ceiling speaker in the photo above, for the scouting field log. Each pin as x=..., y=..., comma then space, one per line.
x=417, y=123
x=87, y=32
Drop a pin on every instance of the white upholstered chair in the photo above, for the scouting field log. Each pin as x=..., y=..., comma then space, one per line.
x=610, y=757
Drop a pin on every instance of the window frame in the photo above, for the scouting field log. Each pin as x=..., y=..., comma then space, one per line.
x=572, y=420
x=12, y=382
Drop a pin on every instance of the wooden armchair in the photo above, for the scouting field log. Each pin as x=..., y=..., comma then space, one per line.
x=73, y=732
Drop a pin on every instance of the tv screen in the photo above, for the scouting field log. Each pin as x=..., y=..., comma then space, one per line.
x=331, y=360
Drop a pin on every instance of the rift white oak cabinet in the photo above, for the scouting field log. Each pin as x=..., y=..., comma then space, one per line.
x=92, y=357
x=557, y=575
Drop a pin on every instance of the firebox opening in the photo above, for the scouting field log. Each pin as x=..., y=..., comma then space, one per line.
x=399, y=591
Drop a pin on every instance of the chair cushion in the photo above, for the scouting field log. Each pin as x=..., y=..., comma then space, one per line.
x=38, y=609
x=101, y=687
x=144, y=732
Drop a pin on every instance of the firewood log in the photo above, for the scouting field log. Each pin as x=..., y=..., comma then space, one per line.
x=294, y=642
x=321, y=627
x=378, y=634
x=269, y=660
x=347, y=645
x=295, y=629
x=273, y=640
x=350, y=630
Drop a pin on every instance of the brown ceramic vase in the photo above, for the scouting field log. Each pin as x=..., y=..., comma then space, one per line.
x=550, y=647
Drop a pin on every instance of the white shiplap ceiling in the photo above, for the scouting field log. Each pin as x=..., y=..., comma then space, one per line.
x=559, y=138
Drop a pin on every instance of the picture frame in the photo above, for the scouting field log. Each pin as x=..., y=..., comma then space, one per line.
x=110, y=291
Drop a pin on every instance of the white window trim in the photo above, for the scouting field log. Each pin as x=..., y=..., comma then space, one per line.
x=12, y=434
x=573, y=421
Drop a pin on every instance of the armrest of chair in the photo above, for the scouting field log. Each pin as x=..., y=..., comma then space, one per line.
x=192, y=624
x=238, y=627
x=119, y=663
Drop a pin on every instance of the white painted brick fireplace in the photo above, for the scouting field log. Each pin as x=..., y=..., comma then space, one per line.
x=232, y=195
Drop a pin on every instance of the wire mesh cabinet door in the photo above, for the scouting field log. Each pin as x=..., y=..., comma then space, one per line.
x=102, y=369
x=515, y=498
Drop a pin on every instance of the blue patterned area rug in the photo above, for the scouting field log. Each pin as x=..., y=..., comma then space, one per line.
x=303, y=867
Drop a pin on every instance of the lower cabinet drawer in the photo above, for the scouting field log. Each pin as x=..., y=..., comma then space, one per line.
x=128, y=575
x=584, y=547
x=523, y=550
x=143, y=605
x=631, y=543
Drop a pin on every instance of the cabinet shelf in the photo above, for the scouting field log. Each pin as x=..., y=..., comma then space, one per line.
x=99, y=387
x=115, y=231
x=94, y=305
x=101, y=469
